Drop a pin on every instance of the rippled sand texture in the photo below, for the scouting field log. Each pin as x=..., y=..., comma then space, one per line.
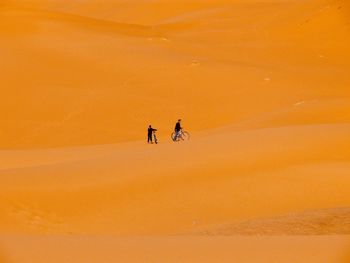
x=263, y=87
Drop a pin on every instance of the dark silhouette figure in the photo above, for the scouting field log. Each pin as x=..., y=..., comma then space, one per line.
x=178, y=129
x=150, y=134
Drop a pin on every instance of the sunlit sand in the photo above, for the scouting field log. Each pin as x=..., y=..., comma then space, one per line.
x=263, y=88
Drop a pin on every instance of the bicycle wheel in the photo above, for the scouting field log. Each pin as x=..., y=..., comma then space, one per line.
x=185, y=136
x=173, y=136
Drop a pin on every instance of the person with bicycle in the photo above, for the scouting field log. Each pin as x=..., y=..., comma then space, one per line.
x=178, y=129
x=150, y=134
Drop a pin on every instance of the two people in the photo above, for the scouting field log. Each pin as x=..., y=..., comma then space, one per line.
x=151, y=131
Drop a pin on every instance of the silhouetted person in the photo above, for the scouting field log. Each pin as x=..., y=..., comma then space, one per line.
x=178, y=129
x=150, y=134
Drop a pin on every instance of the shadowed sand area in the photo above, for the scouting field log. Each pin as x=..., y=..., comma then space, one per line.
x=262, y=86
x=320, y=222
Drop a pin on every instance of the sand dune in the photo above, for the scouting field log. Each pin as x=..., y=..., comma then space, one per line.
x=241, y=175
x=262, y=86
x=76, y=70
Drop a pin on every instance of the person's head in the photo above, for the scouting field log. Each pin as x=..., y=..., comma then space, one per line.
x=179, y=120
x=150, y=126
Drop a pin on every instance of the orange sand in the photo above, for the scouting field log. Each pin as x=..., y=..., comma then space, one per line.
x=263, y=87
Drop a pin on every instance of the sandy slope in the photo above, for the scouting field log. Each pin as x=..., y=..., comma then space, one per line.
x=176, y=249
x=131, y=189
x=73, y=69
x=262, y=86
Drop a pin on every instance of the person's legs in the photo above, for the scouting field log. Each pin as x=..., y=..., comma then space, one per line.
x=149, y=138
x=180, y=135
x=176, y=135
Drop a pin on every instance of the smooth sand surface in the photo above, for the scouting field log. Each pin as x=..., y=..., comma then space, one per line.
x=262, y=86
x=89, y=249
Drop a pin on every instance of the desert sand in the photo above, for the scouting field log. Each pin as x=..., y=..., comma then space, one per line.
x=262, y=86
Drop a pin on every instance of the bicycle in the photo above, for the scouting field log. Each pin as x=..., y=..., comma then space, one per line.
x=155, y=137
x=181, y=136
